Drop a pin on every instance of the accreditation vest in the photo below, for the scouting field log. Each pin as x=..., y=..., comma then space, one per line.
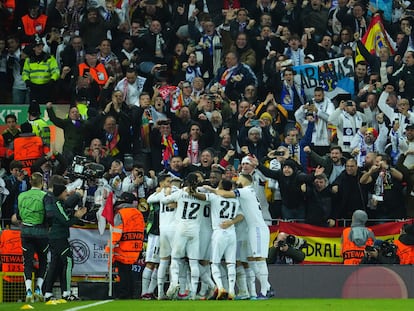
x=28, y=149
x=34, y=26
x=2, y=147
x=98, y=73
x=11, y=254
x=351, y=253
x=31, y=207
x=405, y=253
x=41, y=129
x=130, y=235
x=42, y=72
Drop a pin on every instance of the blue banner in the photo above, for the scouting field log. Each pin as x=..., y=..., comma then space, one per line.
x=335, y=76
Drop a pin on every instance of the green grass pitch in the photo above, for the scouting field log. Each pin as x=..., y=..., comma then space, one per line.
x=271, y=305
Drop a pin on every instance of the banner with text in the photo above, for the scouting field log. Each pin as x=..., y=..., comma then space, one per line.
x=335, y=76
x=324, y=244
x=88, y=248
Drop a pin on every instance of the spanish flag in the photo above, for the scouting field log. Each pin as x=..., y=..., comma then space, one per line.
x=377, y=37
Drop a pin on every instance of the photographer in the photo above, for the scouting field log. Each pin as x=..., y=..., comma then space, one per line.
x=286, y=250
x=382, y=252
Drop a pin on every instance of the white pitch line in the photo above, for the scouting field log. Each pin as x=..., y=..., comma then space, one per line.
x=88, y=306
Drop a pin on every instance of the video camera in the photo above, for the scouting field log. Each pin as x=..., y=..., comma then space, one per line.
x=84, y=169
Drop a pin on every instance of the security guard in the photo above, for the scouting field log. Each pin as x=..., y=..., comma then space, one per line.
x=40, y=71
x=127, y=240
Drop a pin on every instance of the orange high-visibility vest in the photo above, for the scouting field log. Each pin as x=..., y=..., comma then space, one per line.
x=28, y=149
x=98, y=72
x=2, y=147
x=34, y=26
x=11, y=254
x=351, y=253
x=128, y=237
x=405, y=253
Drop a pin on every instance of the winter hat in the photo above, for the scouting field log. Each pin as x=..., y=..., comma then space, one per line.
x=291, y=163
x=266, y=115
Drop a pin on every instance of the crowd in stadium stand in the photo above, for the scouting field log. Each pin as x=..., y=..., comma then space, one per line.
x=211, y=82
x=160, y=87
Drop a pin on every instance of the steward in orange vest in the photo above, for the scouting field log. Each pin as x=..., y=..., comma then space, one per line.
x=28, y=148
x=405, y=244
x=127, y=241
x=11, y=254
x=32, y=23
x=356, y=238
x=92, y=69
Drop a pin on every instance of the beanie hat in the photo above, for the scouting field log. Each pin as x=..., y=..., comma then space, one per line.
x=291, y=163
x=266, y=115
x=247, y=160
x=58, y=189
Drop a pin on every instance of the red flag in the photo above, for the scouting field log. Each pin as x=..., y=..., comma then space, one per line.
x=108, y=211
x=377, y=37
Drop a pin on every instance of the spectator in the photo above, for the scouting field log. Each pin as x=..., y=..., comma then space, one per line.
x=93, y=28
x=15, y=61
x=234, y=76
x=106, y=57
x=163, y=145
x=368, y=140
x=387, y=195
x=73, y=130
x=98, y=153
x=154, y=46
x=73, y=54
x=115, y=137
x=347, y=121
x=321, y=107
x=16, y=183
x=242, y=47
x=333, y=164
x=208, y=46
x=351, y=195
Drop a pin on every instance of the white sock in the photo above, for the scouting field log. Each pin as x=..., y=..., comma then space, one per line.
x=162, y=270
x=263, y=276
x=39, y=283
x=28, y=284
x=241, y=280
x=205, y=275
x=231, y=271
x=174, y=270
x=153, y=283
x=215, y=269
x=146, y=279
x=195, y=275
x=66, y=293
x=251, y=282
x=183, y=276
x=224, y=279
